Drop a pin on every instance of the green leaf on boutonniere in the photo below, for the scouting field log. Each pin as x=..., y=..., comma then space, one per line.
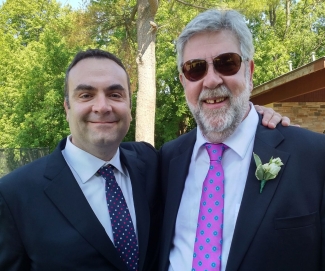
x=268, y=171
x=259, y=172
x=257, y=160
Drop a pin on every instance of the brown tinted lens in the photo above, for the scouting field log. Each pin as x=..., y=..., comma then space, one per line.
x=227, y=64
x=194, y=70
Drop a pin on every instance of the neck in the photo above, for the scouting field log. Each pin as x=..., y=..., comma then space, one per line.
x=104, y=152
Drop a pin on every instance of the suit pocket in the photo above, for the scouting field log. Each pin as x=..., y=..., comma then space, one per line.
x=295, y=222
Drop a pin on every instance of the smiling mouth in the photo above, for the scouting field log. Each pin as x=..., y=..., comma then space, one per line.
x=218, y=100
x=103, y=122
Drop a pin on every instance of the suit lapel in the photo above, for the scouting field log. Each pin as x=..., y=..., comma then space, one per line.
x=67, y=196
x=254, y=204
x=136, y=169
x=177, y=173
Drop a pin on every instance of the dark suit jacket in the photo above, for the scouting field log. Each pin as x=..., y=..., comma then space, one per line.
x=47, y=224
x=281, y=229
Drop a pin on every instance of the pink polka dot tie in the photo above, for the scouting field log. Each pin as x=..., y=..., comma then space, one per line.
x=208, y=241
x=125, y=239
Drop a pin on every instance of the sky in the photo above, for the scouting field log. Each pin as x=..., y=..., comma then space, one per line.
x=73, y=3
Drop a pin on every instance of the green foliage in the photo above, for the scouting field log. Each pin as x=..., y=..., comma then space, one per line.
x=32, y=76
x=284, y=37
x=27, y=19
x=38, y=38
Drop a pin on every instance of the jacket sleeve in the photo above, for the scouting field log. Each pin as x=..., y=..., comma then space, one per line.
x=323, y=230
x=13, y=256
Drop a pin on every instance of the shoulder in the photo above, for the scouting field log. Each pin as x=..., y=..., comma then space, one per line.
x=305, y=142
x=293, y=138
x=179, y=145
x=139, y=147
x=301, y=135
x=24, y=176
x=142, y=154
x=185, y=139
x=33, y=172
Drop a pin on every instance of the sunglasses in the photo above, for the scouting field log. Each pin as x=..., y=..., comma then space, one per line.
x=226, y=64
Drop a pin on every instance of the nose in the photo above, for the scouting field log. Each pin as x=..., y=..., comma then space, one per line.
x=101, y=104
x=212, y=79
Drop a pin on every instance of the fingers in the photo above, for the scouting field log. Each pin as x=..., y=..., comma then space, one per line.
x=259, y=108
x=271, y=118
x=285, y=121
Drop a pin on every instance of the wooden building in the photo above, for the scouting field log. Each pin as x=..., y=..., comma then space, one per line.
x=299, y=94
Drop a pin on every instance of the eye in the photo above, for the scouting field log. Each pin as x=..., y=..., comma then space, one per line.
x=85, y=96
x=116, y=95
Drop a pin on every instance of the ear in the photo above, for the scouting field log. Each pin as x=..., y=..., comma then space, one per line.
x=66, y=108
x=182, y=79
x=251, y=71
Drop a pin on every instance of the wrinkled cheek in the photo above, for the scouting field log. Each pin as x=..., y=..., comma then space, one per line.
x=239, y=91
x=191, y=98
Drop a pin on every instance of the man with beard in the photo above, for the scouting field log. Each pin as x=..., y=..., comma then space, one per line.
x=235, y=211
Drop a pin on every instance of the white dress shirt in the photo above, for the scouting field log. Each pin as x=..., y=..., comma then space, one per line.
x=236, y=160
x=84, y=167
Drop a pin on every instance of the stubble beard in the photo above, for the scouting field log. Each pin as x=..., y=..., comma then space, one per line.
x=218, y=124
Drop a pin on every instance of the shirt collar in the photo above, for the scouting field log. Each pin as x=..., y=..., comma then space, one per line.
x=241, y=138
x=116, y=162
x=86, y=164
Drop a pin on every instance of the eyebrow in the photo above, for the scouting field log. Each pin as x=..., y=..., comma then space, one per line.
x=91, y=88
x=115, y=87
x=84, y=87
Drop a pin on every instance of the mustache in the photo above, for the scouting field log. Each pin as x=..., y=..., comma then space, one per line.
x=221, y=91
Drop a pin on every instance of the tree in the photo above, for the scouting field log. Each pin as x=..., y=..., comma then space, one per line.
x=146, y=61
x=31, y=89
x=286, y=30
x=38, y=38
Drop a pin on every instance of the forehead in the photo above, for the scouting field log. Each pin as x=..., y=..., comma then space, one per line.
x=97, y=72
x=210, y=44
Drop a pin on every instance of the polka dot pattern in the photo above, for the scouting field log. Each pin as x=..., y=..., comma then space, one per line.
x=208, y=241
x=125, y=239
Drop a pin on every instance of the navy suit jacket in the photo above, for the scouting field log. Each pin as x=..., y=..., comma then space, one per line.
x=280, y=229
x=47, y=224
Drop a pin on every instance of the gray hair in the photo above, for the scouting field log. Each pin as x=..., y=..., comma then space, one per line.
x=214, y=20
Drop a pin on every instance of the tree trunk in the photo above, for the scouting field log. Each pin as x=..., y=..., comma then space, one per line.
x=272, y=14
x=146, y=61
x=288, y=2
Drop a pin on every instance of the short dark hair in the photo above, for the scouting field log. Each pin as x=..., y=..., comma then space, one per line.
x=93, y=53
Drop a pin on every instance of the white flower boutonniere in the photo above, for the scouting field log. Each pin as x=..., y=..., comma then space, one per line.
x=267, y=171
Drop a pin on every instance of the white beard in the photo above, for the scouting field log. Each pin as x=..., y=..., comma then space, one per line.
x=218, y=124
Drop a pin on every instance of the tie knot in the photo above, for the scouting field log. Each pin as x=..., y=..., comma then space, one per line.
x=215, y=151
x=106, y=170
